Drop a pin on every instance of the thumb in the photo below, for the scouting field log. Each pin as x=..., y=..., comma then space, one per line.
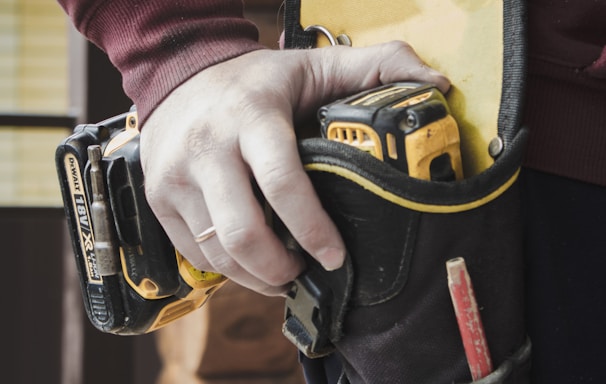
x=335, y=72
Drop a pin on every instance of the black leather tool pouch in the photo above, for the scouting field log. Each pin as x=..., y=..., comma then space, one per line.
x=399, y=324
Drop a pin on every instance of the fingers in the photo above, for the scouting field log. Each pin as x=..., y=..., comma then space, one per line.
x=246, y=243
x=184, y=214
x=335, y=72
x=400, y=62
x=220, y=260
x=289, y=191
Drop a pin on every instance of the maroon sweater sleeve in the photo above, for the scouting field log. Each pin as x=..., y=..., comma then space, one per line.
x=566, y=88
x=158, y=44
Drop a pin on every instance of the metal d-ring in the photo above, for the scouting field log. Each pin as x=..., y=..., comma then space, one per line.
x=342, y=39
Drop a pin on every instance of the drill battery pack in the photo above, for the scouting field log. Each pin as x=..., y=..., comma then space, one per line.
x=133, y=280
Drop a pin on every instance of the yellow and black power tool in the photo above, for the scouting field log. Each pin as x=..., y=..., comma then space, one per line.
x=407, y=125
x=133, y=280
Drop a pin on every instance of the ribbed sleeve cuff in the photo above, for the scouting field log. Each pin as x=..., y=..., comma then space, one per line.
x=157, y=44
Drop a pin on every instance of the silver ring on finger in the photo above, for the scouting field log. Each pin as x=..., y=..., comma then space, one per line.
x=205, y=235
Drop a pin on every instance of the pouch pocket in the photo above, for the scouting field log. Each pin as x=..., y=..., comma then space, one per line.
x=399, y=324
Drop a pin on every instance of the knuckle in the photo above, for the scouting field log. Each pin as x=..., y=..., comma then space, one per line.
x=314, y=238
x=154, y=194
x=202, y=142
x=311, y=234
x=397, y=46
x=277, y=181
x=160, y=185
x=240, y=240
x=243, y=243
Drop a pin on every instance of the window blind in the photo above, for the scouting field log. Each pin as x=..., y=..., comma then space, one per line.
x=34, y=78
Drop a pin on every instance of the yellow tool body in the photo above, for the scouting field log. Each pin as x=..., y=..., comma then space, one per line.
x=405, y=124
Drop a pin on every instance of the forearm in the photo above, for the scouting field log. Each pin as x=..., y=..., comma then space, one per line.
x=157, y=44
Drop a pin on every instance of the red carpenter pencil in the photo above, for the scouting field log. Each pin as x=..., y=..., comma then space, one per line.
x=468, y=318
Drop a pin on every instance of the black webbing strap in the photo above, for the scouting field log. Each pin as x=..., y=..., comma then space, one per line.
x=294, y=35
x=514, y=69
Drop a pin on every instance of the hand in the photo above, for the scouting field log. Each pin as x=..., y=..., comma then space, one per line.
x=232, y=123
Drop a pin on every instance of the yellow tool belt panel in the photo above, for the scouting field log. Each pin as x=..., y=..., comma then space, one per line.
x=468, y=41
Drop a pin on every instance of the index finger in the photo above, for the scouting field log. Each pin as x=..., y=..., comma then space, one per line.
x=270, y=150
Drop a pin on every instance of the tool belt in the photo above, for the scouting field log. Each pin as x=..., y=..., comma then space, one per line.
x=387, y=312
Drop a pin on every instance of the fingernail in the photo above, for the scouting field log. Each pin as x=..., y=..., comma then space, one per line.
x=331, y=258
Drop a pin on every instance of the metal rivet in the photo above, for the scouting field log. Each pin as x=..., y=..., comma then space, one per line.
x=496, y=146
x=344, y=40
x=411, y=121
